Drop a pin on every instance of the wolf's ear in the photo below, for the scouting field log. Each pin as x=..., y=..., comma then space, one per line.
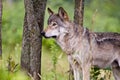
x=50, y=11
x=63, y=14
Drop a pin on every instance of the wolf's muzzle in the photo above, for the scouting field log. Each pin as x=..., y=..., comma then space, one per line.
x=43, y=34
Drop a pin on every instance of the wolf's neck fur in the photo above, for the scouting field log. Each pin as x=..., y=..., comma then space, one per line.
x=71, y=41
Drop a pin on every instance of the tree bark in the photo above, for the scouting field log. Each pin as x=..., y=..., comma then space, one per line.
x=0, y=28
x=79, y=12
x=32, y=40
x=25, y=55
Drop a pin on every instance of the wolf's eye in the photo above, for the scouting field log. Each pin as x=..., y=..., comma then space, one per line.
x=54, y=24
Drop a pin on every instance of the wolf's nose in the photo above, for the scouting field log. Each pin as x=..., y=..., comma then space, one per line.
x=43, y=33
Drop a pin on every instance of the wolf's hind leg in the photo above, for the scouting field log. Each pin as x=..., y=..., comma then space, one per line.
x=116, y=70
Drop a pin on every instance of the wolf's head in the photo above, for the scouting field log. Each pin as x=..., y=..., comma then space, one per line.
x=58, y=24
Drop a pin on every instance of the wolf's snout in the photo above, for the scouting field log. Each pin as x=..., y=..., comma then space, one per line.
x=43, y=33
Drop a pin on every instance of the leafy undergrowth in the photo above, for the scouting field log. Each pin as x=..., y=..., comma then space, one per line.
x=10, y=65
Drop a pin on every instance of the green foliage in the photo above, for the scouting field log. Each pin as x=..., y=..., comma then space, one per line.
x=100, y=74
x=54, y=52
x=106, y=19
x=13, y=16
x=6, y=75
x=95, y=73
x=10, y=65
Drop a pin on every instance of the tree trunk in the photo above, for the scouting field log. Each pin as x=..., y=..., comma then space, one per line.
x=79, y=12
x=25, y=55
x=32, y=40
x=0, y=28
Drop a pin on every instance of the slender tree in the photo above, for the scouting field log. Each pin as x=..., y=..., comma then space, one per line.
x=0, y=28
x=32, y=40
x=79, y=12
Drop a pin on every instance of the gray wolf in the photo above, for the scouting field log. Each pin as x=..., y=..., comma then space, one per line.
x=83, y=47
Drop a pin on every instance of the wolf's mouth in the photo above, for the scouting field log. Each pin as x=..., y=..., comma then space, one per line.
x=54, y=36
x=51, y=37
x=43, y=34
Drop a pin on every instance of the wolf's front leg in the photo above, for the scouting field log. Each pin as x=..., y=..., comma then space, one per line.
x=77, y=74
x=86, y=72
x=76, y=71
x=75, y=67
